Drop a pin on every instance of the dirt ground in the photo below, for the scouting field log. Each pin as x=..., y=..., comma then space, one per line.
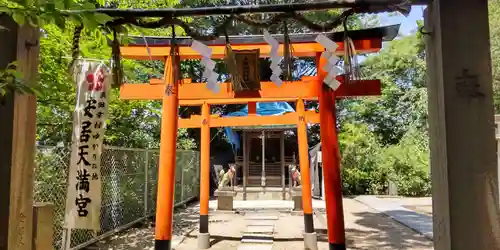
x=365, y=229
x=142, y=236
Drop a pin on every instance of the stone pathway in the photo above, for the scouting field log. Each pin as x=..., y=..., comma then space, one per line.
x=366, y=228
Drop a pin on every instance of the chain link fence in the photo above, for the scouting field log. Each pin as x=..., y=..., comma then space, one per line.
x=129, y=179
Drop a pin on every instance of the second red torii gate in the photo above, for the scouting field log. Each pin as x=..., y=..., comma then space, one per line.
x=196, y=94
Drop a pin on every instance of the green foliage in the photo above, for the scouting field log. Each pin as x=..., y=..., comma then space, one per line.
x=360, y=152
x=367, y=166
x=401, y=68
x=11, y=80
x=130, y=124
x=42, y=12
x=494, y=13
x=384, y=139
x=408, y=163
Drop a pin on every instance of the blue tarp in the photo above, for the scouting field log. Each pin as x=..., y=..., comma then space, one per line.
x=264, y=109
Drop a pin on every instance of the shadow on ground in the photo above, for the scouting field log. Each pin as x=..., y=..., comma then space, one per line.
x=385, y=233
x=423, y=209
x=364, y=230
x=141, y=236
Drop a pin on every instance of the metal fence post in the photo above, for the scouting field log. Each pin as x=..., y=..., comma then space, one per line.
x=64, y=239
x=67, y=239
x=146, y=187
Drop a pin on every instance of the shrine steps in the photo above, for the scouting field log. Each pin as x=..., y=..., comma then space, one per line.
x=259, y=234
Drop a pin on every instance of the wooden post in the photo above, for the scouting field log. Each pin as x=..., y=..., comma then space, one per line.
x=17, y=137
x=43, y=226
x=461, y=126
x=330, y=157
x=282, y=160
x=166, y=170
x=252, y=108
x=245, y=164
x=305, y=175
x=290, y=179
x=204, y=236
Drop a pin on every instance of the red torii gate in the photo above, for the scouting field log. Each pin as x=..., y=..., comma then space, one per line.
x=191, y=94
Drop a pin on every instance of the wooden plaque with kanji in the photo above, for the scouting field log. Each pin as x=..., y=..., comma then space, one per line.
x=248, y=65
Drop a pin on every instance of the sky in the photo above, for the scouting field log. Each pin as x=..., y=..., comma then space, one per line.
x=408, y=24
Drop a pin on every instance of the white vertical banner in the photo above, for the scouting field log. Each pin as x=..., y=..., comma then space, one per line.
x=83, y=202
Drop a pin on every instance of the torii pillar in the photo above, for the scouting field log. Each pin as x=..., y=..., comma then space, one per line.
x=168, y=149
x=331, y=162
x=461, y=126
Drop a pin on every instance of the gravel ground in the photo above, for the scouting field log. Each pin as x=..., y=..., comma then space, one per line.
x=142, y=236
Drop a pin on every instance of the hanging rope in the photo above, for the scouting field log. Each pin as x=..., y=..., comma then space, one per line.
x=237, y=81
x=287, y=55
x=76, y=46
x=175, y=60
x=351, y=65
x=218, y=31
x=116, y=55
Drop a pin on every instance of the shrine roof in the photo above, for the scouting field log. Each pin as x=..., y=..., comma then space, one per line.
x=386, y=33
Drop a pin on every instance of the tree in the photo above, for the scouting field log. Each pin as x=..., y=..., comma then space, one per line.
x=385, y=138
x=130, y=124
x=401, y=68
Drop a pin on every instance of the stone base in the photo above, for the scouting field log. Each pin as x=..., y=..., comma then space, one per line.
x=225, y=199
x=310, y=241
x=262, y=193
x=203, y=241
x=297, y=199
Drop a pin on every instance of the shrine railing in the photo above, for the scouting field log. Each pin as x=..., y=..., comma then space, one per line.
x=129, y=178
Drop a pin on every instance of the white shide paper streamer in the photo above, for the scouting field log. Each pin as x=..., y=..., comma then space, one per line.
x=209, y=65
x=275, y=58
x=330, y=67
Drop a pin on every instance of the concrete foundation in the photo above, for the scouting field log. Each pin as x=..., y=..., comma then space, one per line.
x=262, y=193
x=310, y=241
x=225, y=199
x=297, y=199
x=203, y=241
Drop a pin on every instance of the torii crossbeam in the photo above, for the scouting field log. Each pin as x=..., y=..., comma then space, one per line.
x=196, y=94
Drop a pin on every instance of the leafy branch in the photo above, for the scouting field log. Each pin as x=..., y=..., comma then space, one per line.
x=11, y=80
x=39, y=13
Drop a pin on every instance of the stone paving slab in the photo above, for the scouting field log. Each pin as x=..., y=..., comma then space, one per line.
x=260, y=229
x=255, y=247
x=261, y=218
x=265, y=204
x=259, y=239
x=261, y=223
